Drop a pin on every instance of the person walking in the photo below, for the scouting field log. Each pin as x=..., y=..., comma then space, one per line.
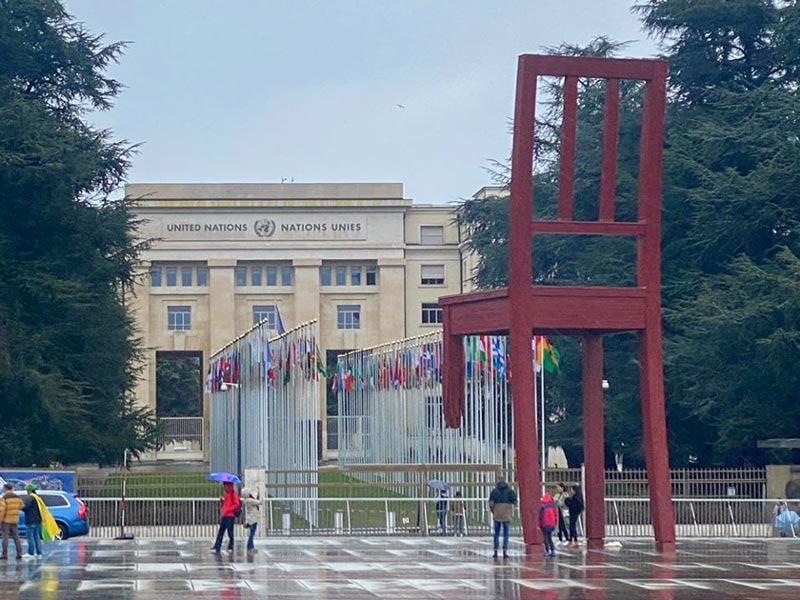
x=10, y=507
x=230, y=508
x=33, y=522
x=501, y=502
x=548, y=519
x=558, y=498
x=441, y=511
x=574, y=502
x=251, y=514
x=457, y=508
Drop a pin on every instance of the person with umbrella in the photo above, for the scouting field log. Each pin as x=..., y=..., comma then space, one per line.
x=441, y=503
x=230, y=508
x=787, y=523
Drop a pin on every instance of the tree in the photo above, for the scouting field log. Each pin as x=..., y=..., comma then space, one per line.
x=178, y=389
x=68, y=354
x=730, y=249
x=731, y=214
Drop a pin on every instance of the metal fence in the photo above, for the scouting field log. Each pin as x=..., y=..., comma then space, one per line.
x=385, y=481
x=180, y=435
x=198, y=517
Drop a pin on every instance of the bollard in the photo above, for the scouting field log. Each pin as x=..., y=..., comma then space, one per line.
x=287, y=523
x=338, y=522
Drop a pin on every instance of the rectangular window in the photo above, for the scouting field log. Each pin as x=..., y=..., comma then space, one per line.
x=255, y=276
x=155, y=277
x=341, y=275
x=241, y=276
x=348, y=316
x=286, y=275
x=432, y=275
x=324, y=275
x=372, y=275
x=260, y=313
x=355, y=275
x=202, y=276
x=431, y=235
x=272, y=275
x=179, y=318
x=431, y=313
x=186, y=276
x=172, y=276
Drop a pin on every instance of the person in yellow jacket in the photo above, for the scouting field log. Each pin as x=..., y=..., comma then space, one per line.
x=10, y=507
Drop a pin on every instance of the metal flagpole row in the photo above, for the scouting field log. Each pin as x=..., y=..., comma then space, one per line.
x=264, y=409
x=390, y=409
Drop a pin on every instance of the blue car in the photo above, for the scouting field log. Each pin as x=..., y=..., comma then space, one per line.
x=67, y=509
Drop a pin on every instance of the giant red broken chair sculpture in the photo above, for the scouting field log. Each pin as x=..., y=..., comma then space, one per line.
x=524, y=309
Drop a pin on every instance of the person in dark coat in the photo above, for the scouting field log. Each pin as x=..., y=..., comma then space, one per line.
x=33, y=522
x=441, y=511
x=575, y=505
x=501, y=502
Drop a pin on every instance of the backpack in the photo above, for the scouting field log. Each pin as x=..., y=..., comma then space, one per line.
x=549, y=516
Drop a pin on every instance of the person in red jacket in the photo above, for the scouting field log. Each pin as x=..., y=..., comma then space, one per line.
x=548, y=521
x=230, y=508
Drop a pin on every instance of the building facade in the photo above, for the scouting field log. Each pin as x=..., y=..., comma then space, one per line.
x=364, y=261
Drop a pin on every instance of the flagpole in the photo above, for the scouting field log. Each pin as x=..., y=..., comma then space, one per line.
x=544, y=445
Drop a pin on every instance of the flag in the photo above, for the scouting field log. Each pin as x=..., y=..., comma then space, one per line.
x=320, y=363
x=499, y=355
x=545, y=355
x=50, y=529
x=550, y=356
x=279, y=322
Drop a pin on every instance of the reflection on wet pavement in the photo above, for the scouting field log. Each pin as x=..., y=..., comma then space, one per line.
x=403, y=568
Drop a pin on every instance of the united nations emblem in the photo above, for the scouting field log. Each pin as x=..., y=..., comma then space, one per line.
x=264, y=228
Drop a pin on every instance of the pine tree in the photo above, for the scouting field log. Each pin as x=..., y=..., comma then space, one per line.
x=68, y=354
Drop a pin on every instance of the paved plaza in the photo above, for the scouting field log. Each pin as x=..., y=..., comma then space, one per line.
x=402, y=568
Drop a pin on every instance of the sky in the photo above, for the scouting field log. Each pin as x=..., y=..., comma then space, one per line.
x=412, y=91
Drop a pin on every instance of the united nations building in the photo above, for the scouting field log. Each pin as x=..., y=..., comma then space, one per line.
x=368, y=264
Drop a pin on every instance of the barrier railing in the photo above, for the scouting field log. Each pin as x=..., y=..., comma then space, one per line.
x=180, y=435
x=626, y=517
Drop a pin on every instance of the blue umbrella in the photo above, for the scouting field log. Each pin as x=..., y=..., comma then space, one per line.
x=438, y=484
x=787, y=522
x=224, y=477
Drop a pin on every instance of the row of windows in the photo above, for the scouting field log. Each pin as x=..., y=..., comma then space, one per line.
x=259, y=275
x=263, y=275
x=348, y=316
x=348, y=275
x=189, y=276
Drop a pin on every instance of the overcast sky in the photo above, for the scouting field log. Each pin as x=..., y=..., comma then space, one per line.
x=234, y=91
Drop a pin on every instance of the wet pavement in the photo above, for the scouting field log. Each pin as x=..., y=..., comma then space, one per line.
x=403, y=568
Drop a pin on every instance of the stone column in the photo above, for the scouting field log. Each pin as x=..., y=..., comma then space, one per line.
x=221, y=303
x=221, y=322
x=392, y=299
x=138, y=302
x=306, y=308
x=306, y=290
